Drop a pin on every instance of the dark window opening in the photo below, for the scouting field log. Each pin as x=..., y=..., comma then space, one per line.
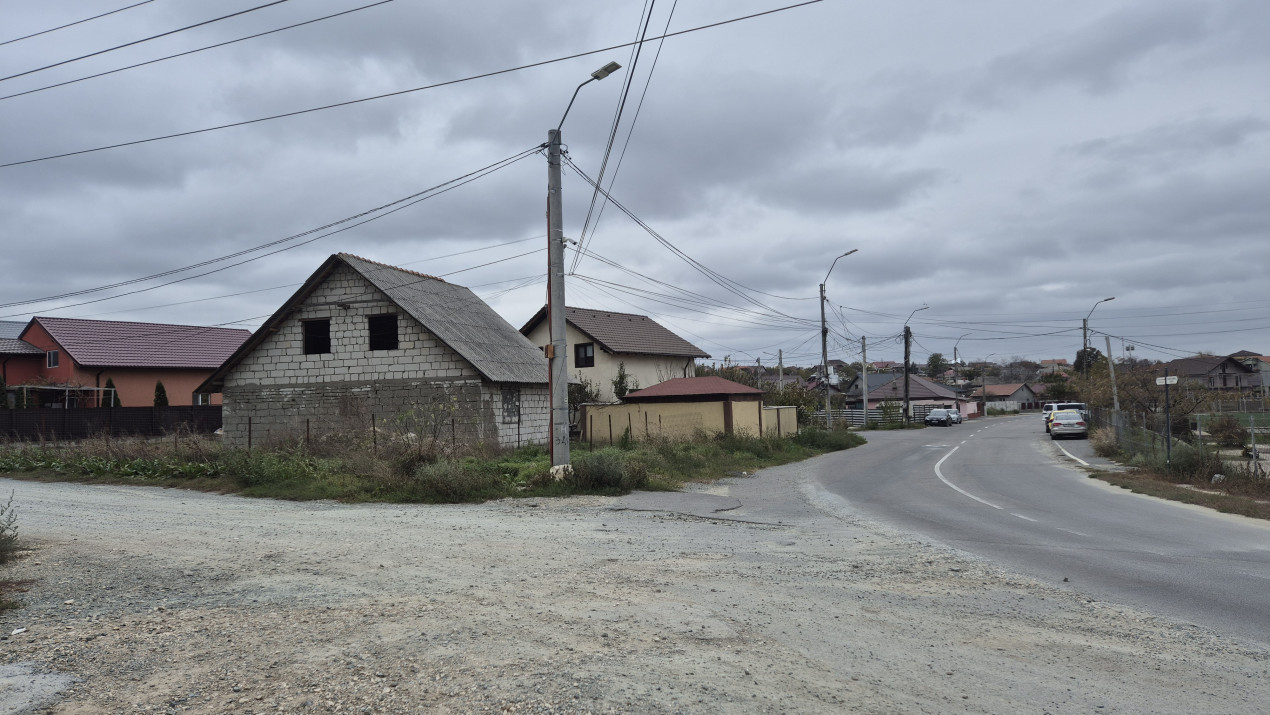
x=51, y=358
x=317, y=336
x=584, y=355
x=383, y=332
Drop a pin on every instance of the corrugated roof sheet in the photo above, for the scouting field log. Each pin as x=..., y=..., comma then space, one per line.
x=693, y=387
x=11, y=329
x=1003, y=390
x=625, y=333
x=13, y=346
x=461, y=320
x=113, y=343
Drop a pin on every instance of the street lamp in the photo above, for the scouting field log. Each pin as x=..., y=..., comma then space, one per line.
x=824, y=341
x=1084, y=340
x=956, y=369
x=908, y=339
x=558, y=373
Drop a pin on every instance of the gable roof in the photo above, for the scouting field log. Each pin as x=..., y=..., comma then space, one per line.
x=452, y=313
x=1005, y=390
x=1201, y=365
x=115, y=343
x=919, y=388
x=623, y=333
x=711, y=386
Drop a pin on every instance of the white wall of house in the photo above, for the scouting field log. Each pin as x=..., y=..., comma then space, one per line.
x=643, y=370
x=423, y=387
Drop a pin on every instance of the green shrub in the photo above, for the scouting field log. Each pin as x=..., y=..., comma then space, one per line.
x=450, y=482
x=823, y=439
x=606, y=470
x=1227, y=432
x=8, y=530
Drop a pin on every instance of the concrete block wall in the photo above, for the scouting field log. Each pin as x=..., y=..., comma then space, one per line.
x=423, y=387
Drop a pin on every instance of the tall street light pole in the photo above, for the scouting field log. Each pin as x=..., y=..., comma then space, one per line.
x=558, y=373
x=956, y=368
x=908, y=339
x=1084, y=336
x=824, y=340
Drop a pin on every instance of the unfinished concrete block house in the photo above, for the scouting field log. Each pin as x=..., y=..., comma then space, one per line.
x=364, y=343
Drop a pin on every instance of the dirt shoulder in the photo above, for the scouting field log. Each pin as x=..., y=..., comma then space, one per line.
x=758, y=594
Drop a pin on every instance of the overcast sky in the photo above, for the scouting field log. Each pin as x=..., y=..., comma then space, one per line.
x=1007, y=164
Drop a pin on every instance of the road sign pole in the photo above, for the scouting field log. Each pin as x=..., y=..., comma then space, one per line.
x=1168, y=424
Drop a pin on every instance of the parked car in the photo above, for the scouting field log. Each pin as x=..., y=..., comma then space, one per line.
x=955, y=415
x=1064, y=423
x=1051, y=407
x=938, y=417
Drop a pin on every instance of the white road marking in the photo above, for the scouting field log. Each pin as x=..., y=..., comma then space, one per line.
x=1255, y=575
x=1078, y=533
x=1069, y=454
x=956, y=488
x=1025, y=518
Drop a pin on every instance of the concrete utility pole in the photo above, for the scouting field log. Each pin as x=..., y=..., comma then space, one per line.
x=864, y=377
x=908, y=337
x=1115, y=394
x=824, y=355
x=558, y=372
x=824, y=341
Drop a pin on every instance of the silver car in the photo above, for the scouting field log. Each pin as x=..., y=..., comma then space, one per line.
x=1065, y=423
x=955, y=415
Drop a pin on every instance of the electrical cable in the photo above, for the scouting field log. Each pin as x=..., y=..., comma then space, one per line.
x=502, y=163
x=714, y=276
x=144, y=39
x=191, y=52
x=617, y=118
x=77, y=22
x=405, y=91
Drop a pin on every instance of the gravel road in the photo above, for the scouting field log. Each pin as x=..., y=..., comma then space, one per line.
x=758, y=594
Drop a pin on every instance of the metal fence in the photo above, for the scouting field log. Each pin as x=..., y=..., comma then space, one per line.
x=1151, y=436
x=48, y=423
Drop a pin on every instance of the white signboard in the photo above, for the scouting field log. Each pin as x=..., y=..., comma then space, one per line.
x=1170, y=380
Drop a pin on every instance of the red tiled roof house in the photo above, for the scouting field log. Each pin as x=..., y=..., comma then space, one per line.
x=72, y=352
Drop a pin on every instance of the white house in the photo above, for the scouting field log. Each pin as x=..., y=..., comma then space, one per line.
x=602, y=341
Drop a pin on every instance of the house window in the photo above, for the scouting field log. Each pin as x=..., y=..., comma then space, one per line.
x=51, y=358
x=202, y=398
x=383, y=332
x=317, y=336
x=584, y=355
x=511, y=404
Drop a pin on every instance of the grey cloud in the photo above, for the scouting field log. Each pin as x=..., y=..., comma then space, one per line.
x=1176, y=141
x=842, y=189
x=1100, y=56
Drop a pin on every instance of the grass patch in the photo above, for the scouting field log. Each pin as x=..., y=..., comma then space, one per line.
x=1212, y=496
x=346, y=469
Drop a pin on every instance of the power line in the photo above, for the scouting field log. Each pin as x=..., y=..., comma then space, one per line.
x=77, y=22
x=502, y=163
x=403, y=91
x=144, y=39
x=617, y=120
x=191, y=52
x=473, y=177
x=714, y=276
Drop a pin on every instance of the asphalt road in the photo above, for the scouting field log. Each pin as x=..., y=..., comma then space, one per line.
x=1000, y=489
